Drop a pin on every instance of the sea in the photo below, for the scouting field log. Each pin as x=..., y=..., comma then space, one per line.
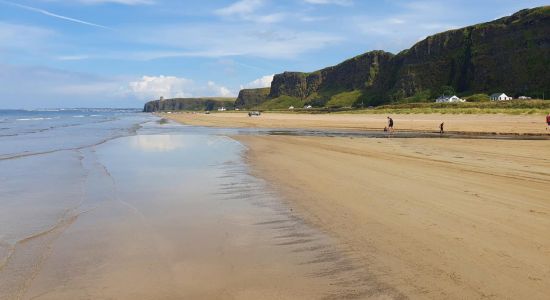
x=119, y=204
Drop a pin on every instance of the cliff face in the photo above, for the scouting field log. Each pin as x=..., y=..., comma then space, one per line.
x=249, y=98
x=188, y=104
x=357, y=73
x=510, y=55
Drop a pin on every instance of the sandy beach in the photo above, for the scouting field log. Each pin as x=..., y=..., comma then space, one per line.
x=494, y=123
x=433, y=218
x=439, y=219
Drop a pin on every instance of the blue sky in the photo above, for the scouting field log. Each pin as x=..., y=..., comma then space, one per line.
x=121, y=53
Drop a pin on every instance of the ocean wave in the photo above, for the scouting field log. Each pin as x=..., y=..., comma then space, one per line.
x=43, y=110
x=79, y=116
x=34, y=119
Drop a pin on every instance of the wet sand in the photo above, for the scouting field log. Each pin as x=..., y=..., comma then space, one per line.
x=434, y=218
x=166, y=216
x=496, y=123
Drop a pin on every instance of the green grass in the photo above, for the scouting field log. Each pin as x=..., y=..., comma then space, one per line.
x=282, y=102
x=344, y=99
x=514, y=107
x=478, y=98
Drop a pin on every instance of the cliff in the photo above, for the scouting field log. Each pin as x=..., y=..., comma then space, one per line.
x=249, y=98
x=359, y=72
x=197, y=104
x=510, y=55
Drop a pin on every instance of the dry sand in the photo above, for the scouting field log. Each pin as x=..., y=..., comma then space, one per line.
x=435, y=218
x=498, y=123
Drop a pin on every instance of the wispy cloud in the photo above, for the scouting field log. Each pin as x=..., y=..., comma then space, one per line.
x=33, y=86
x=73, y=57
x=200, y=40
x=240, y=7
x=337, y=2
x=247, y=10
x=125, y=2
x=50, y=14
x=19, y=37
x=409, y=23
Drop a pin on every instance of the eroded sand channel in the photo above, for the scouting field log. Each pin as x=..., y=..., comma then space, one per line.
x=178, y=216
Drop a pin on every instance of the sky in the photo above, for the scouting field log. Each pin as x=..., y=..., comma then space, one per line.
x=122, y=53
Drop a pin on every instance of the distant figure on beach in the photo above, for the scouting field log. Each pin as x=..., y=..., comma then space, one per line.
x=390, y=124
x=441, y=127
x=548, y=121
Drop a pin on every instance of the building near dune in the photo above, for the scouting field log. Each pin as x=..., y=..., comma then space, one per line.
x=500, y=97
x=449, y=99
x=524, y=98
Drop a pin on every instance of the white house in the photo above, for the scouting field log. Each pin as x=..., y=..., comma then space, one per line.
x=449, y=99
x=500, y=97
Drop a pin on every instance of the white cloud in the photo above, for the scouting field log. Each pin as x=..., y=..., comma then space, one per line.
x=156, y=86
x=28, y=87
x=152, y=87
x=216, y=90
x=264, y=81
x=240, y=8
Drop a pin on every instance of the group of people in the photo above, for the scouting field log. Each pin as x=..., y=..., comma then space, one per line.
x=389, y=126
x=390, y=129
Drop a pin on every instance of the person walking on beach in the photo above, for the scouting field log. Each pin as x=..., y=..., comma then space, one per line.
x=441, y=128
x=390, y=125
x=548, y=121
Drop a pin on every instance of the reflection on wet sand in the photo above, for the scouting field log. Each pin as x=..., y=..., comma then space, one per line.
x=179, y=216
x=157, y=143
